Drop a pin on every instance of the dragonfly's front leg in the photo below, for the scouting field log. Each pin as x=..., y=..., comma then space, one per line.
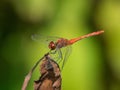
x=58, y=52
x=53, y=51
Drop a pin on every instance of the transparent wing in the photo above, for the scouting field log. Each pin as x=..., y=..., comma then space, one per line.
x=66, y=55
x=44, y=39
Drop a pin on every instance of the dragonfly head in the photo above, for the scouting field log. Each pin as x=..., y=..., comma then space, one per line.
x=52, y=45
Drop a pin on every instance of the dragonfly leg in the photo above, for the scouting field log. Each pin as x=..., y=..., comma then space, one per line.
x=58, y=52
x=53, y=52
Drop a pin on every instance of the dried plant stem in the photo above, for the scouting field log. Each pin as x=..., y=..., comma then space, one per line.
x=50, y=75
x=28, y=76
x=50, y=78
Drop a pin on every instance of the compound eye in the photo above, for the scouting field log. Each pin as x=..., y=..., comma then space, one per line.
x=52, y=45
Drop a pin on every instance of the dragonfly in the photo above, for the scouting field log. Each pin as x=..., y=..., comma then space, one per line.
x=57, y=44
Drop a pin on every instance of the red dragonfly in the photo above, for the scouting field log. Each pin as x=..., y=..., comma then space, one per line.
x=55, y=46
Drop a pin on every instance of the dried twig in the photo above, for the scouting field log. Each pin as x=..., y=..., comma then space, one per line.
x=28, y=76
x=50, y=75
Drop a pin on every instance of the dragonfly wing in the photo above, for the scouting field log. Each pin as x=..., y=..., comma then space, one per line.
x=66, y=55
x=60, y=56
x=44, y=39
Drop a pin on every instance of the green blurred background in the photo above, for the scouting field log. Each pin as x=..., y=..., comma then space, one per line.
x=94, y=63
